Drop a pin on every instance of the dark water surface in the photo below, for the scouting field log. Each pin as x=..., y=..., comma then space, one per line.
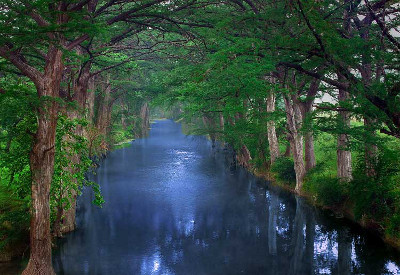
x=174, y=205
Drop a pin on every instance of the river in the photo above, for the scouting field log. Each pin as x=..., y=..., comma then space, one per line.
x=175, y=205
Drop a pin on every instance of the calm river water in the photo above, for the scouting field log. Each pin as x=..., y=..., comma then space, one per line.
x=174, y=205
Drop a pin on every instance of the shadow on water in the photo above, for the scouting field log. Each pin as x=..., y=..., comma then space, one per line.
x=176, y=206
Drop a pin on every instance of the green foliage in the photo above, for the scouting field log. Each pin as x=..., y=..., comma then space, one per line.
x=284, y=169
x=325, y=154
x=14, y=218
x=98, y=198
x=120, y=134
x=393, y=225
x=325, y=188
x=377, y=197
x=17, y=121
x=233, y=79
x=71, y=165
x=15, y=177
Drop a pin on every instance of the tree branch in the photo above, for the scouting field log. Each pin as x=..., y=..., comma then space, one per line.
x=79, y=6
x=76, y=42
x=299, y=68
x=127, y=14
x=382, y=26
x=18, y=61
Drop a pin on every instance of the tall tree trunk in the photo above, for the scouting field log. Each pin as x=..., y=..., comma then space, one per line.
x=89, y=132
x=371, y=150
x=123, y=114
x=306, y=107
x=145, y=119
x=309, y=151
x=210, y=127
x=271, y=131
x=91, y=99
x=243, y=157
x=344, y=166
x=262, y=154
x=102, y=121
x=221, y=128
x=79, y=97
x=288, y=148
x=42, y=167
x=294, y=118
x=81, y=86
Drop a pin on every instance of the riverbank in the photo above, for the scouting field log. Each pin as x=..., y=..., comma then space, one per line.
x=176, y=188
x=18, y=248
x=122, y=144
x=345, y=210
x=370, y=203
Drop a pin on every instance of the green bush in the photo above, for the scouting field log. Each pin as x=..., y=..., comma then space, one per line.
x=377, y=197
x=327, y=190
x=393, y=225
x=119, y=135
x=283, y=167
x=14, y=219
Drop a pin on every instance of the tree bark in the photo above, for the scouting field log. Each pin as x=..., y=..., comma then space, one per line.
x=344, y=166
x=42, y=167
x=80, y=96
x=210, y=127
x=103, y=119
x=306, y=107
x=145, y=119
x=271, y=131
x=66, y=218
x=103, y=110
x=309, y=151
x=124, y=109
x=221, y=128
x=90, y=100
x=294, y=118
x=288, y=150
x=244, y=157
x=371, y=150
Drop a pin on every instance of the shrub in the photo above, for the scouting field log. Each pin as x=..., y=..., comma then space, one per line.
x=377, y=197
x=393, y=225
x=14, y=219
x=283, y=167
x=326, y=188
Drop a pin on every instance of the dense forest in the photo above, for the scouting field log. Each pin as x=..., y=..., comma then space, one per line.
x=307, y=94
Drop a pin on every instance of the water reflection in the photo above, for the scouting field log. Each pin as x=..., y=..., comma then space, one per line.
x=175, y=206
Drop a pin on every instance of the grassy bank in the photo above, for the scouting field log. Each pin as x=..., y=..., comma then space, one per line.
x=122, y=144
